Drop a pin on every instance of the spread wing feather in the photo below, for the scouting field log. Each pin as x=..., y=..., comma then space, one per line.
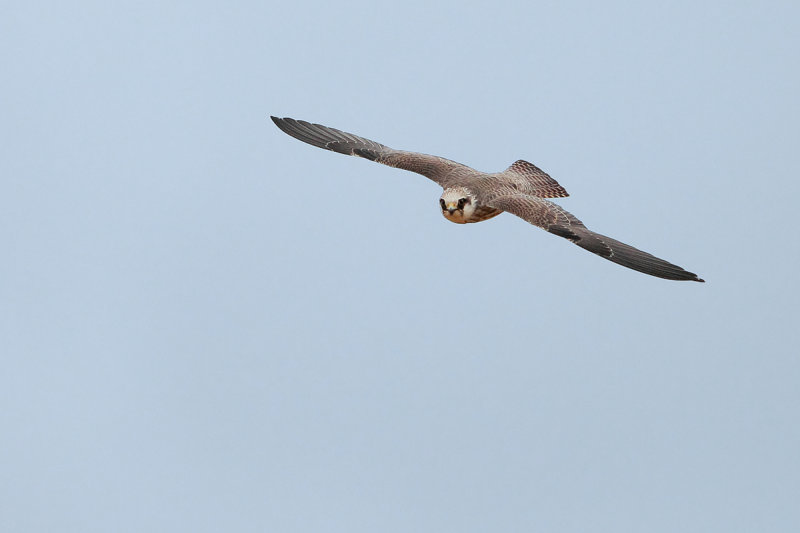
x=438, y=169
x=556, y=220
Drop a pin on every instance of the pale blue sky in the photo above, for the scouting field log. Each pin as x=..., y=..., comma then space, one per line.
x=210, y=326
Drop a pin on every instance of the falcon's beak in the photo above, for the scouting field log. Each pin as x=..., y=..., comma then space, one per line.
x=451, y=208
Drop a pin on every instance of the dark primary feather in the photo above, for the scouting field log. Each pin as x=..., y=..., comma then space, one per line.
x=329, y=138
x=559, y=222
x=628, y=256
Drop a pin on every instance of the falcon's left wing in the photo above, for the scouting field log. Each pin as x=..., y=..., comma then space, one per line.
x=556, y=220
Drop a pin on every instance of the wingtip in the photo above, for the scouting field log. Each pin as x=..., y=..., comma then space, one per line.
x=700, y=280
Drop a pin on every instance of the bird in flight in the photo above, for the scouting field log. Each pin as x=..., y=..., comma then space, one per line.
x=473, y=196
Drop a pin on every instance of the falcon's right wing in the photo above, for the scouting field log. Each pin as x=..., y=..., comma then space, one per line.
x=435, y=168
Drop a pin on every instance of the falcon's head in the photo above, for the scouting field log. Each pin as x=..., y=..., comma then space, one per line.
x=458, y=204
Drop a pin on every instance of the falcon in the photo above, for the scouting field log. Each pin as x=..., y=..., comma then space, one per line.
x=472, y=196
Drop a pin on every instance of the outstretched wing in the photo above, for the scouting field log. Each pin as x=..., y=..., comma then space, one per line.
x=556, y=220
x=435, y=168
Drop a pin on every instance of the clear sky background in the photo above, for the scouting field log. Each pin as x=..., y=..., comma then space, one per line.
x=210, y=326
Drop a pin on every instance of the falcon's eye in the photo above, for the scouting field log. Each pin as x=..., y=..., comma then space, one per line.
x=461, y=202
x=441, y=202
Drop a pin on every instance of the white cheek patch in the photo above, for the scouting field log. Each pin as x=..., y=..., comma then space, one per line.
x=469, y=209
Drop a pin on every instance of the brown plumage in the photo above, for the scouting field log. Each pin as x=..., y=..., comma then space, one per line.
x=472, y=196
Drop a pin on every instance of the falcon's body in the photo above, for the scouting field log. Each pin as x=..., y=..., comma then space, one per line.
x=473, y=196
